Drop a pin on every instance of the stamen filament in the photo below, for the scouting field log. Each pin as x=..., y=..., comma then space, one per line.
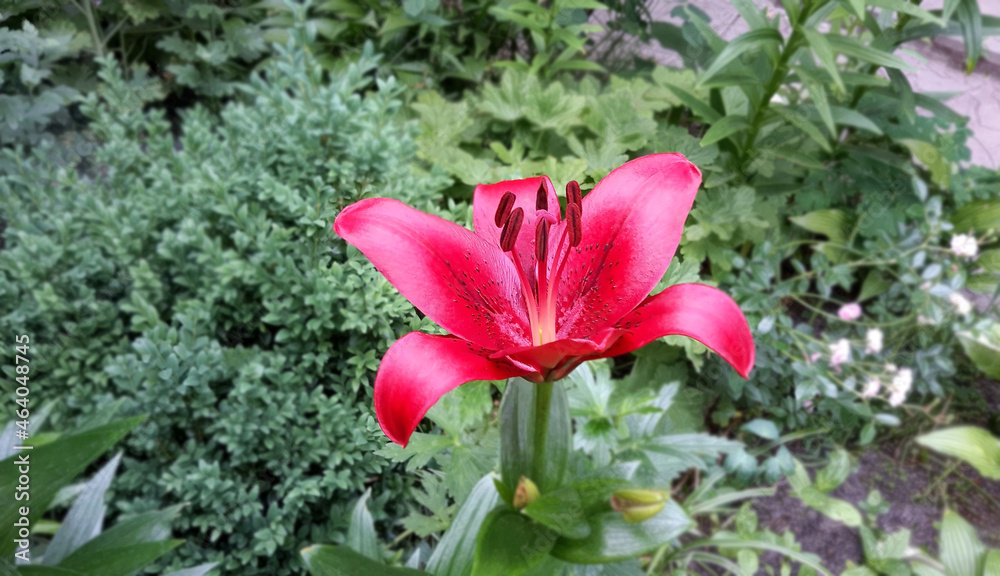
x=529, y=299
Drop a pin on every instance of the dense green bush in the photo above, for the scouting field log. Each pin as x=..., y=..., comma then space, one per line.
x=197, y=277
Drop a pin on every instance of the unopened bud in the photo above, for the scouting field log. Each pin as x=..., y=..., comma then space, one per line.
x=525, y=493
x=639, y=505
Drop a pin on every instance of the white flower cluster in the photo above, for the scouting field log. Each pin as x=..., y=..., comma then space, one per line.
x=961, y=304
x=964, y=245
x=900, y=386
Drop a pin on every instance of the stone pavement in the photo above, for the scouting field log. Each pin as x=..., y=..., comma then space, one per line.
x=940, y=67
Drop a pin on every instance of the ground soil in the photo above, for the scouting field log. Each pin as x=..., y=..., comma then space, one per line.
x=916, y=483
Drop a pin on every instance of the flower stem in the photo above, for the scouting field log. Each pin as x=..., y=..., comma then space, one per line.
x=543, y=401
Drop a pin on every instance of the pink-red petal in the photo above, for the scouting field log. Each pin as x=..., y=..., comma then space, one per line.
x=697, y=311
x=469, y=287
x=485, y=200
x=554, y=354
x=632, y=222
x=419, y=369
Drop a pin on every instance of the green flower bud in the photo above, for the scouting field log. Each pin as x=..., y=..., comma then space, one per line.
x=639, y=505
x=525, y=493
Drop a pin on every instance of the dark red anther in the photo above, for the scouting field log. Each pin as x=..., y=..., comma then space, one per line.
x=574, y=226
x=573, y=194
x=542, y=197
x=508, y=237
x=541, y=240
x=504, y=207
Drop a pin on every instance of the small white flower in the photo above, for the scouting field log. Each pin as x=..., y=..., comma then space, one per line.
x=840, y=352
x=849, y=312
x=873, y=341
x=872, y=386
x=890, y=368
x=900, y=386
x=964, y=245
x=961, y=304
x=779, y=99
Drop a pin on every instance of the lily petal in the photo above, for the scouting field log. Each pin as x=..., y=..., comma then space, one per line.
x=554, y=354
x=632, y=222
x=694, y=310
x=485, y=200
x=468, y=287
x=419, y=369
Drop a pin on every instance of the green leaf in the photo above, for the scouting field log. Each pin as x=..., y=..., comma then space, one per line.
x=85, y=517
x=199, y=570
x=834, y=224
x=324, y=560
x=834, y=474
x=454, y=553
x=852, y=48
x=821, y=48
x=742, y=44
x=562, y=511
x=949, y=9
x=801, y=121
x=909, y=9
x=118, y=561
x=974, y=445
x=763, y=428
x=980, y=215
x=46, y=571
x=971, y=20
x=509, y=544
x=699, y=107
x=853, y=118
x=991, y=563
x=612, y=538
x=728, y=541
x=517, y=429
x=931, y=157
x=51, y=467
x=985, y=354
x=724, y=128
x=361, y=535
x=875, y=283
x=817, y=93
x=961, y=550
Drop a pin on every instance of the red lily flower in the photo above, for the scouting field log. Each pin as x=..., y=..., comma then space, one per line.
x=532, y=294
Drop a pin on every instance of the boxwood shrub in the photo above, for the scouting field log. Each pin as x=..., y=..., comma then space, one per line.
x=188, y=270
